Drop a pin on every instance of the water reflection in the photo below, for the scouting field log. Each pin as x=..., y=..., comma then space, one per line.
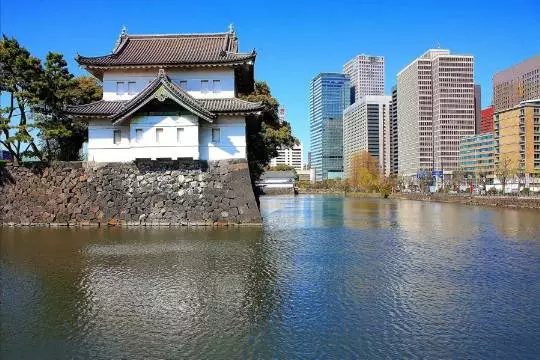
x=325, y=277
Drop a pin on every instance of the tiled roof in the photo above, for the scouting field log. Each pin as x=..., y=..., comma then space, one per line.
x=207, y=109
x=170, y=50
x=97, y=108
x=182, y=97
x=230, y=105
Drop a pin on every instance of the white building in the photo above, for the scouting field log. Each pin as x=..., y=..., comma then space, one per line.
x=170, y=96
x=435, y=94
x=290, y=156
x=366, y=74
x=366, y=127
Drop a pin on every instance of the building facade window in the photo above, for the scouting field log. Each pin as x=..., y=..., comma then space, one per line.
x=216, y=86
x=117, y=137
x=159, y=135
x=183, y=84
x=131, y=87
x=120, y=88
x=180, y=135
x=204, y=86
x=138, y=136
x=216, y=135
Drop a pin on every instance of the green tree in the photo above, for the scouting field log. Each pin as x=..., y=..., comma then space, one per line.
x=62, y=135
x=21, y=75
x=35, y=122
x=265, y=134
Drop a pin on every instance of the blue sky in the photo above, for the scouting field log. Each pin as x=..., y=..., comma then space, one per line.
x=294, y=40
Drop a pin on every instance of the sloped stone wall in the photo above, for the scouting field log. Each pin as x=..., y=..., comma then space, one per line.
x=141, y=193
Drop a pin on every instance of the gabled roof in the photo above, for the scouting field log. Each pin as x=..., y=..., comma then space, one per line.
x=161, y=88
x=215, y=49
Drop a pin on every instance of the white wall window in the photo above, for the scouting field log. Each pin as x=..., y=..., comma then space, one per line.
x=216, y=135
x=138, y=136
x=120, y=88
x=131, y=87
x=204, y=86
x=180, y=135
x=117, y=137
x=183, y=84
x=159, y=135
x=216, y=86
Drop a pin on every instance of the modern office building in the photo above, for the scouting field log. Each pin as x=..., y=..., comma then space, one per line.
x=328, y=97
x=293, y=157
x=366, y=126
x=436, y=109
x=486, y=125
x=517, y=136
x=394, y=133
x=477, y=155
x=366, y=74
x=477, y=108
x=516, y=84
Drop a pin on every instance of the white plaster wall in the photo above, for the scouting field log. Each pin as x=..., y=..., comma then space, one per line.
x=168, y=146
x=232, y=143
x=101, y=146
x=196, y=141
x=192, y=76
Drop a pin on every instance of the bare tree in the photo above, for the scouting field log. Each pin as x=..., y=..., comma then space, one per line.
x=505, y=169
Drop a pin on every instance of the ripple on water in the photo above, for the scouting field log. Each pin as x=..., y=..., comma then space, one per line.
x=324, y=277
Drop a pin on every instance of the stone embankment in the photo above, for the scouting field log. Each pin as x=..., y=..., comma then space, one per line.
x=494, y=201
x=151, y=193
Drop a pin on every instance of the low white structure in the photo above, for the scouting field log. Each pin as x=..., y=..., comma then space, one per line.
x=170, y=96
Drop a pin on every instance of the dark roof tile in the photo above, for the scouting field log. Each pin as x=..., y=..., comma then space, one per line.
x=170, y=50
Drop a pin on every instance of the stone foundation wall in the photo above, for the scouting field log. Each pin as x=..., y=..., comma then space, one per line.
x=141, y=193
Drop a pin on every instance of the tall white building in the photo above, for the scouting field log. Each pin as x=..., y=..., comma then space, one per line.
x=436, y=109
x=366, y=74
x=290, y=156
x=366, y=126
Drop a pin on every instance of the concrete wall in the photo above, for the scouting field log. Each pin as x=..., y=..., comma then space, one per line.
x=141, y=78
x=142, y=193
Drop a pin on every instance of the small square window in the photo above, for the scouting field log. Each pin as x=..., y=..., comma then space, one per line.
x=120, y=88
x=131, y=87
x=216, y=86
x=204, y=86
x=179, y=135
x=117, y=137
x=159, y=135
x=138, y=136
x=183, y=84
x=216, y=135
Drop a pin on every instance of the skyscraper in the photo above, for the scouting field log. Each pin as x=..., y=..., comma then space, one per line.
x=516, y=84
x=366, y=73
x=436, y=109
x=394, y=133
x=328, y=98
x=366, y=127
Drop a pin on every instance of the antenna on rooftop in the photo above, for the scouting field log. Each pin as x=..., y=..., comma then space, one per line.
x=438, y=45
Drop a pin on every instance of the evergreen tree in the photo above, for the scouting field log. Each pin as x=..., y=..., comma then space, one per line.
x=20, y=80
x=265, y=134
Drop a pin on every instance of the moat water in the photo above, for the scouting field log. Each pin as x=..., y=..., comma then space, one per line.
x=325, y=277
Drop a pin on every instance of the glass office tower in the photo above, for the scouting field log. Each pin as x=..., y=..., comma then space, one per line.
x=329, y=95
